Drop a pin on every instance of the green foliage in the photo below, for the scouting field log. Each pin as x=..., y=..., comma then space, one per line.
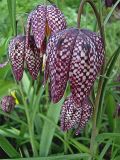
x=32, y=129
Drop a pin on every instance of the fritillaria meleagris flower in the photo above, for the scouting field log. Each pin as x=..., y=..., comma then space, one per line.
x=76, y=56
x=110, y=3
x=8, y=103
x=18, y=53
x=77, y=117
x=45, y=19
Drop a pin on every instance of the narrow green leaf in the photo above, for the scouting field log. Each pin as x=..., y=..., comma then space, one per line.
x=111, y=12
x=110, y=110
x=81, y=147
x=80, y=156
x=12, y=117
x=48, y=130
x=108, y=72
x=108, y=144
x=12, y=13
x=103, y=136
x=8, y=148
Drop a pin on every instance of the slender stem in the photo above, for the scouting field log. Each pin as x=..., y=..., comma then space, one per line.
x=12, y=9
x=97, y=99
x=83, y=2
x=30, y=125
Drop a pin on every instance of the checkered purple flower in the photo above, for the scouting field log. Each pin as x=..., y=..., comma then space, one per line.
x=76, y=56
x=43, y=21
x=8, y=103
x=18, y=53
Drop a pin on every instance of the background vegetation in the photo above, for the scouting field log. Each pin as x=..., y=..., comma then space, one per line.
x=48, y=139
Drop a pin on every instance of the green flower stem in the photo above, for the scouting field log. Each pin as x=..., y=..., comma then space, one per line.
x=83, y=2
x=97, y=98
x=12, y=14
x=30, y=125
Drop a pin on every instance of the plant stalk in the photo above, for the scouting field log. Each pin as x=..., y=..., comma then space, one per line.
x=12, y=13
x=30, y=125
x=97, y=99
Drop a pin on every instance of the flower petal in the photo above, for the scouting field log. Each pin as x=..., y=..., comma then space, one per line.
x=83, y=68
x=59, y=59
x=16, y=55
x=32, y=58
x=8, y=103
x=38, y=24
x=28, y=29
x=86, y=114
x=75, y=117
x=70, y=114
x=55, y=18
x=99, y=47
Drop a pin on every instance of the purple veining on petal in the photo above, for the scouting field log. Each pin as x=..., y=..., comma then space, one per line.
x=16, y=55
x=84, y=67
x=76, y=56
x=59, y=62
x=75, y=117
x=28, y=29
x=86, y=114
x=70, y=114
x=32, y=58
x=38, y=24
x=97, y=39
x=55, y=18
x=8, y=103
x=44, y=18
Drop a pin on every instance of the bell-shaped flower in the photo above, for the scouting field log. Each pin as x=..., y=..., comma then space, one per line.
x=75, y=117
x=18, y=53
x=8, y=103
x=74, y=55
x=43, y=21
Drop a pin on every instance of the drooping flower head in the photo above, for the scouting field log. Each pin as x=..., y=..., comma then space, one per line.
x=43, y=21
x=18, y=53
x=8, y=103
x=76, y=56
x=73, y=116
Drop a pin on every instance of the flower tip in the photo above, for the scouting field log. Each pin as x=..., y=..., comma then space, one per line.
x=8, y=103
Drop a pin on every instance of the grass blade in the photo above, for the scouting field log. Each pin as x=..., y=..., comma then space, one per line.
x=110, y=110
x=111, y=12
x=81, y=147
x=105, y=150
x=12, y=13
x=80, y=156
x=101, y=137
x=108, y=72
x=49, y=129
x=8, y=148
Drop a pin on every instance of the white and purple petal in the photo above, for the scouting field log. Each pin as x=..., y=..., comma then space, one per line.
x=32, y=58
x=59, y=61
x=55, y=18
x=38, y=24
x=16, y=54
